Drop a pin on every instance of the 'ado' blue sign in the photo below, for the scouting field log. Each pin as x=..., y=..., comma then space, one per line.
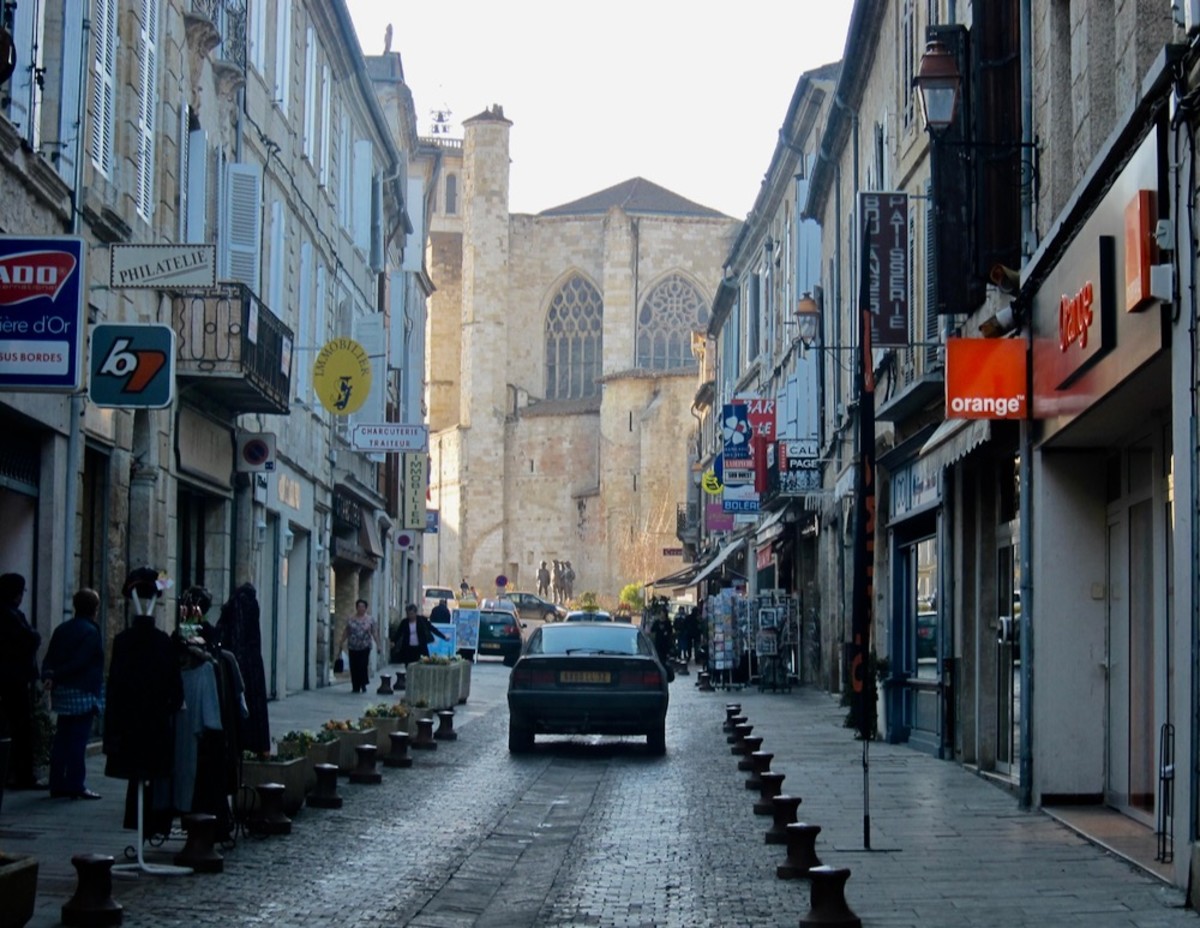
x=41, y=313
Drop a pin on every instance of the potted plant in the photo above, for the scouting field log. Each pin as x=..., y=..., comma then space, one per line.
x=258, y=769
x=385, y=719
x=349, y=735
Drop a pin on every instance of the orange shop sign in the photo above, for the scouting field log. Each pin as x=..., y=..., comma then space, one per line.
x=986, y=378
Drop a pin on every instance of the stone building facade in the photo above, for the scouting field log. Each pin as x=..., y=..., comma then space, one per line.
x=561, y=373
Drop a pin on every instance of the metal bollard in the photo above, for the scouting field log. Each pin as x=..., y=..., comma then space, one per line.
x=385, y=685
x=325, y=795
x=734, y=722
x=424, y=740
x=92, y=903
x=704, y=682
x=399, y=755
x=828, y=908
x=783, y=810
x=198, y=851
x=772, y=783
x=732, y=709
x=271, y=819
x=740, y=734
x=445, y=730
x=760, y=763
x=802, y=856
x=749, y=746
x=365, y=771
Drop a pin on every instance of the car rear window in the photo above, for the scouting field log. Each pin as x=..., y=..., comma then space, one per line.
x=560, y=639
x=437, y=592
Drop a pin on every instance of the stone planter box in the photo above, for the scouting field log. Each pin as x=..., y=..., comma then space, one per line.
x=18, y=889
x=412, y=720
x=320, y=752
x=347, y=741
x=464, y=680
x=437, y=685
x=384, y=726
x=292, y=773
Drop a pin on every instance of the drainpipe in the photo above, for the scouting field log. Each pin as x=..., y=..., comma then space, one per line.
x=74, y=436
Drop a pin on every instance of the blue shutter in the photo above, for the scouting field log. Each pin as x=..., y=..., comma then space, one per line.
x=70, y=119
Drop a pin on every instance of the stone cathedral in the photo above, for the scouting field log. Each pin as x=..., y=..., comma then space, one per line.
x=562, y=365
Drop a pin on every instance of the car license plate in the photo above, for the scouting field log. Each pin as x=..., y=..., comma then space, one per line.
x=584, y=676
x=489, y=646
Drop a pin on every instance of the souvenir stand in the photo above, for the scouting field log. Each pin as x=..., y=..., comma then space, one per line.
x=725, y=616
x=775, y=617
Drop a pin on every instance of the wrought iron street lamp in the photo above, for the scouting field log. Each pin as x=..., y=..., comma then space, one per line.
x=939, y=84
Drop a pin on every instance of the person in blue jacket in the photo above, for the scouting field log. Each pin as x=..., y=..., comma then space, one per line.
x=73, y=671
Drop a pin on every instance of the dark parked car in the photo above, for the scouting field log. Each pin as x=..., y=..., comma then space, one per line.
x=588, y=678
x=499, y=635
x=532, y=606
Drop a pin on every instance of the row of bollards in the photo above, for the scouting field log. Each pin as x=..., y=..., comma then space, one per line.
x=827, y=901
x=92, y=904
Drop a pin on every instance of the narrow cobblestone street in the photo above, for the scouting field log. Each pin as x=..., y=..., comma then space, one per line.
x=593, y=832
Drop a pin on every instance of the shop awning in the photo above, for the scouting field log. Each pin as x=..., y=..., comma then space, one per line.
x=769, y=528
x=954, y=439
x=368, y=534
x=679, y=578
x=715, y=564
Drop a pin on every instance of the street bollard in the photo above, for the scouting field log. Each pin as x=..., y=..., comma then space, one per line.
x=828, y=908
x=749, y=746
x=734, y=722
x=783, y=811
x=772, y=783
x=385, y=685
x=198, y=851
x=445, y=730
x=365, y=771
x=271, y=819
x=760, y=763
x=399, y=755
x=424, y=740
x=801, y=851
x=732, y=709
x=92, y=904
x=704, y=682
x=325, y=795
x=740, y=734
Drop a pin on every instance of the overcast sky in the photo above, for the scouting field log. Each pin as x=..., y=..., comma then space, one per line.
x=689, y=94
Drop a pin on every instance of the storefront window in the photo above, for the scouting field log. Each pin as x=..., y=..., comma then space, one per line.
x=926, y=627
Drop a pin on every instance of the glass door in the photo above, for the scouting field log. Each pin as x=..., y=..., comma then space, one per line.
x=1008, y=659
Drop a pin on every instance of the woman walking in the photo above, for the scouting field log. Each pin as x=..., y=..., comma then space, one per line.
x=357, y=640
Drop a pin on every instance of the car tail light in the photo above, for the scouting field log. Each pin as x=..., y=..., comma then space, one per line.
x=511, y=630
x=528, y=677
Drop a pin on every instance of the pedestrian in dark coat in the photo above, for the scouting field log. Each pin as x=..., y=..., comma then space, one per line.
x=414, y=635
x=73, y=669
x=239, y=630
x=19, y=642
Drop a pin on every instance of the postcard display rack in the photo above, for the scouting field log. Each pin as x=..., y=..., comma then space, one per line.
x=775, y=624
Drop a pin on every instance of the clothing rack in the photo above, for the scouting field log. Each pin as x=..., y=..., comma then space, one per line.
x=142, y=865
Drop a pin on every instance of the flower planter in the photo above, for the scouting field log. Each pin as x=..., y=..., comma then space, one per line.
x=18, y=889
x=464, y=680
x=436, y=685
x=347, y=741
x=292, y=773
x=384, y=725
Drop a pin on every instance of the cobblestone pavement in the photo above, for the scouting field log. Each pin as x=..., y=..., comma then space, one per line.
x=595, y=832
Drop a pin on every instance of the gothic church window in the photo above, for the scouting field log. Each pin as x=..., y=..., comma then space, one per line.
x=574, y=339
x=669, y=315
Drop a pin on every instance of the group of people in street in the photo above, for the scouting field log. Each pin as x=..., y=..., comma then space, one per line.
x=556, y=583
x=681, y=638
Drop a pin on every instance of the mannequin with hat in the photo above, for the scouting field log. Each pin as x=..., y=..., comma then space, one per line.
x=144, y=692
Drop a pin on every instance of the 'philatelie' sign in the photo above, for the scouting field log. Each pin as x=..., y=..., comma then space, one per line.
x=162, y=266
x=41, y=313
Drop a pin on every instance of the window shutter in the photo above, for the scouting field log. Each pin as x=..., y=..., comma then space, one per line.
x=326, y=110
x=304, y=298
x=256, y=37
x=362, y=194
x=310, y=94
x=147, y=107
x=242, y=235
x=283, y=55
x=70, y=128
x=184, y=152
x=274, y=298
x=377, y=223
x=931, y=316
x=21, y=85
x=368, y=332
x=196, y=184
x=104, y=39
x=414, y=244
x=397, y=299
x=314, y=337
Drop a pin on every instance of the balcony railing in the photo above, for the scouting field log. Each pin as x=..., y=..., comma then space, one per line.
x=229, y=18
x=234, y=349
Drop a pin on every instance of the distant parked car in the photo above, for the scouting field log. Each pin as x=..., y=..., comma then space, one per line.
x=499, y=635
x=589, y=615
x=581, y=677
x=432, y=595
x=532, y=606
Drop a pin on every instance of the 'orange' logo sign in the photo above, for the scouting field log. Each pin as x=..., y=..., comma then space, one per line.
x=985, y=378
